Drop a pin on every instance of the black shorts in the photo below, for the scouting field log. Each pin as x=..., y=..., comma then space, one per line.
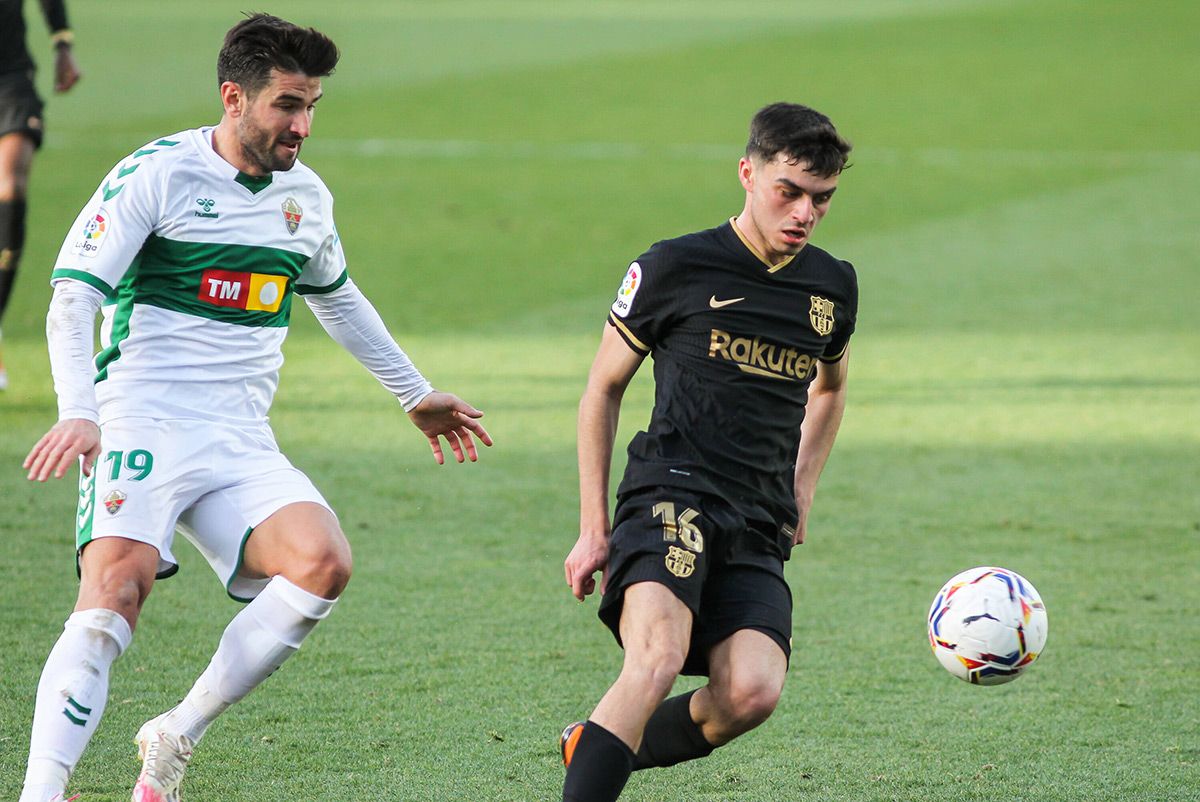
x=20, y=106
x=728, y=571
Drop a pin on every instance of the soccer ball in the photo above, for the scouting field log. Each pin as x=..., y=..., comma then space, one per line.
x=986, y=625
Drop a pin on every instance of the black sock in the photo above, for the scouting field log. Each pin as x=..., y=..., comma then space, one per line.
x=12, y=239
x=599, y=768
x=671, y=736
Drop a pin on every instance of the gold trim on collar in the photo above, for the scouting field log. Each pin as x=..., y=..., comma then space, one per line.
x=757, y=254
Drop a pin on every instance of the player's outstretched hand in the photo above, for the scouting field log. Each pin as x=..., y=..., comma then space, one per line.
x=61, y=447
x=66, y=71
x=446, y=415
x=589, y=555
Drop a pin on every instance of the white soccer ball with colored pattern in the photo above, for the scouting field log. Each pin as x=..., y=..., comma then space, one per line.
x=987, y=625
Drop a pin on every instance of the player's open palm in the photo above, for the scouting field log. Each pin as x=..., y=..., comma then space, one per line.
x=61, y=447
x=445, y=415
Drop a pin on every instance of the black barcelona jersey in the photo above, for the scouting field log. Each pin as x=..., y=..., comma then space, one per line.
x=14, y=56
x=735, y=344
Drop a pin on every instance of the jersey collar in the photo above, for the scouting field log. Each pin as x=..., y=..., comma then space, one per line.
x=254, y=183
x=756, y=252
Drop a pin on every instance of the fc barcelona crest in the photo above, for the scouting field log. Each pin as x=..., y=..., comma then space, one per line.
x=680, y=562
x=113, y=501
x=820, y=315
x=292, y=214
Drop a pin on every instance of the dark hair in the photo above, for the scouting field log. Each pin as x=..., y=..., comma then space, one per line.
x=261, y=42
x=801, y=134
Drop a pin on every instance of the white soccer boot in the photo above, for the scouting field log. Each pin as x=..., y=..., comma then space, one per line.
x=165, y=756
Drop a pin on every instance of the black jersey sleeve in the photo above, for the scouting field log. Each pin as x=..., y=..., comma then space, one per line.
x=643, y=307
x=845, y=321
x=55, y=12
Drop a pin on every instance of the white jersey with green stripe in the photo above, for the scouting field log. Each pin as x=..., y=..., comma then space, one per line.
x=198, y=263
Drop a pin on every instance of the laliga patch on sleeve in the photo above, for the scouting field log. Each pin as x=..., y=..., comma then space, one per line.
x=629, y=288
x=92, y=236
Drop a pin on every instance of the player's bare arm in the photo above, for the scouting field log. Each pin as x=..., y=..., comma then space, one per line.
x=826, y=404
x=599, y=410
x=445, y=415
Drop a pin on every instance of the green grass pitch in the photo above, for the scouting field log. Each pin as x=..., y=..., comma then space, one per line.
x=1022, y=213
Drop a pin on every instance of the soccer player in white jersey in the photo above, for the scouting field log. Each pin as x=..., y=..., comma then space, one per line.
x=195, y=245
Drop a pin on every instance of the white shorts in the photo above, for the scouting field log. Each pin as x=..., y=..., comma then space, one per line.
x=212, y=482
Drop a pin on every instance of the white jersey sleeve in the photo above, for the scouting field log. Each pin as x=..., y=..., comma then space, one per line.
x=112, y=227
x=69, y=324
x=326, y=270
x=352, y=321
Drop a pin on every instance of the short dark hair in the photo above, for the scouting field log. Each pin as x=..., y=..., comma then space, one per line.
x=801, y=134
x=261, y=42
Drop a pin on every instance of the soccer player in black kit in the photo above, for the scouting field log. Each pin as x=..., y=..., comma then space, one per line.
x=21, y=126
x=748, y=325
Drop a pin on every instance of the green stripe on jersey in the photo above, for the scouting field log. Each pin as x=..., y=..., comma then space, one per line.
x=86, y=278
x=169, y=273
x=120, y=323
x=169, y=276
x=313, y=289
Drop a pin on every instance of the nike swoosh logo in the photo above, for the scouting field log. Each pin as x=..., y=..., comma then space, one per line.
x=715, y=304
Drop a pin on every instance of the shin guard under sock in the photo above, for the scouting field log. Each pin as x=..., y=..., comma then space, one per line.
x=72, y=693
x=671, y=736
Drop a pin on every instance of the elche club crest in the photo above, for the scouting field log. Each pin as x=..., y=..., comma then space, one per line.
x=820, y=315
x=113, y=501
x=292, y=213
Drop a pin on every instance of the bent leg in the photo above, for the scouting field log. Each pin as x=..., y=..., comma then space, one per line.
x=116, y=577
x=655, y=631
x=747, y=673
x=302, y=548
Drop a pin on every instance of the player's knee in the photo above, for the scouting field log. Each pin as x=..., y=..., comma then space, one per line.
x=750, y=701
x=654, y=667
x=337, y=574
x=117, y=592
x=11, y=190
x=324, y=569
x=14, y=185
